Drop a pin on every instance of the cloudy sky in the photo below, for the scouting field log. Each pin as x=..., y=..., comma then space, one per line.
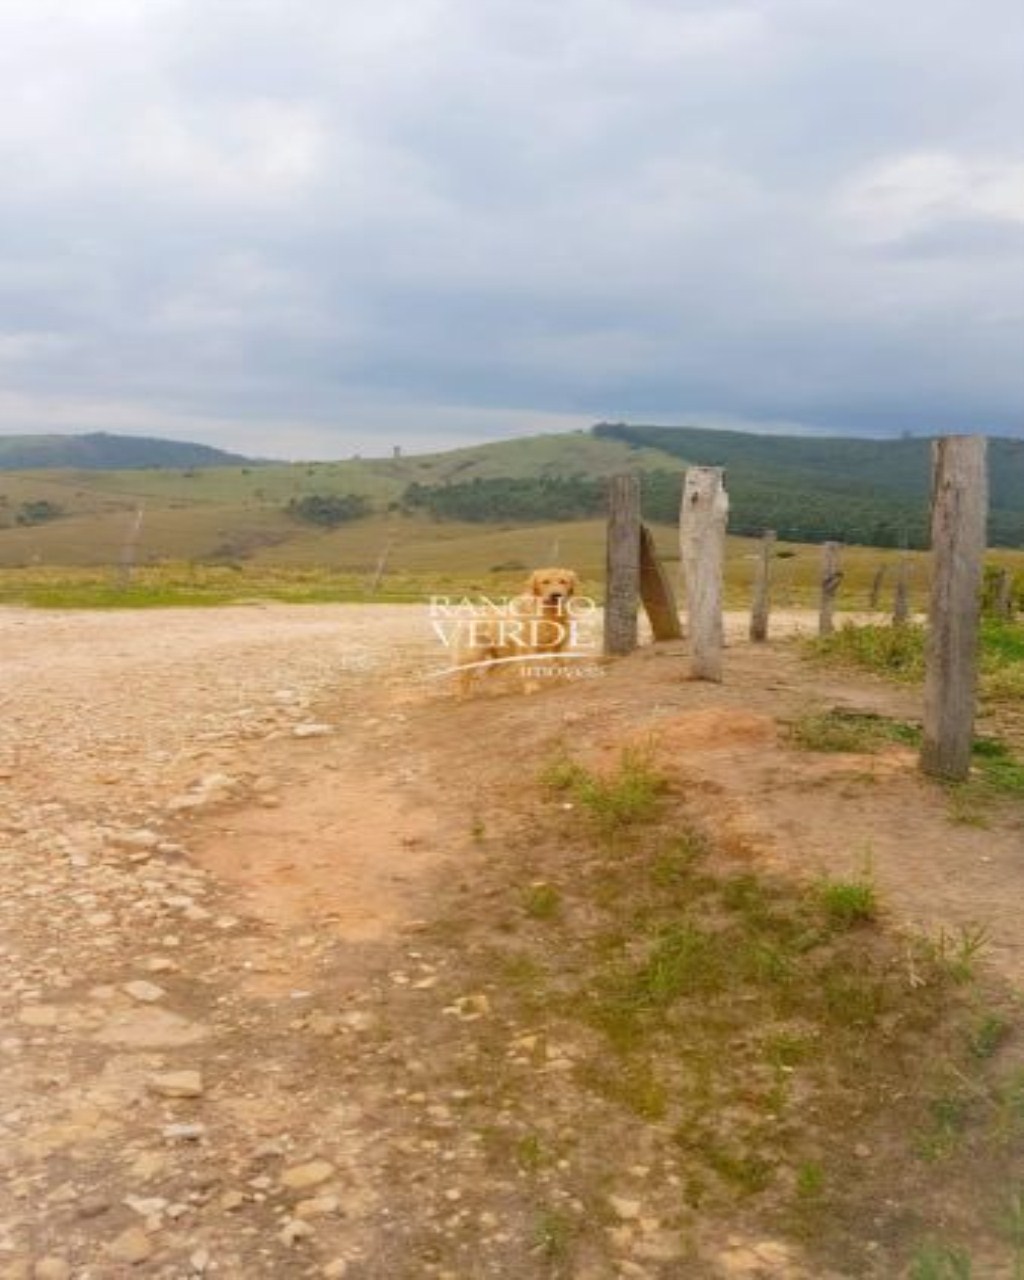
x=315, y=227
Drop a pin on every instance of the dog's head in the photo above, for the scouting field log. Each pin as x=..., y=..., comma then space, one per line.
x=552, y=586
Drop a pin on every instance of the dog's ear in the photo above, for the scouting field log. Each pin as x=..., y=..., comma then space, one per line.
x=533, y=583
x=574, y=581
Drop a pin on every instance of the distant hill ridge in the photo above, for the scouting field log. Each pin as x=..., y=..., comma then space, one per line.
x=102, y=451
x=807, y=488
x=814, y=487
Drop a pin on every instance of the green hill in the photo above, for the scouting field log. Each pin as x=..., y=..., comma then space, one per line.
x=811, y=488
x=807, y=488
x=100, y=451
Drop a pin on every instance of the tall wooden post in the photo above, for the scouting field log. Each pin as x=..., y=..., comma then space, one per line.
x=702, y=523
x=622, y=586
x=959, y=515
x=761, y=608
x=831, y=577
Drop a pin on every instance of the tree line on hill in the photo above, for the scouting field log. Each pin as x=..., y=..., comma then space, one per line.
x=796, y=516
x=815, y=488
x=840, y=512
x=543, y=499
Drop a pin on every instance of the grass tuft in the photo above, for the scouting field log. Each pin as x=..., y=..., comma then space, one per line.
x=851, y=731
x=628, y=796
x=552, y=1236
x=989, y=1032
x=955, y=954
x=847, y=903
x=892, y=651
x=542, y=901
x=934, y=1261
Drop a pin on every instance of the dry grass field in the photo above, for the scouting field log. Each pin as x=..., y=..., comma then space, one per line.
x=423, y=558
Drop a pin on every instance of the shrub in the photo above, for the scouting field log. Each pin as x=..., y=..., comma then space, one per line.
x=329, y=510
x=39, y=511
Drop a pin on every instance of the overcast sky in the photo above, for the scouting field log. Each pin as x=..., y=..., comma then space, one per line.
x=315, y=227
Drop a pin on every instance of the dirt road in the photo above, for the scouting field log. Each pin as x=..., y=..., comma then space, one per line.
x=122, y=738
x=221, y=832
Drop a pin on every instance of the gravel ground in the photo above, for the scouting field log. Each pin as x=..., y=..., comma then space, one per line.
x=138, y=1004
x=229, y=1046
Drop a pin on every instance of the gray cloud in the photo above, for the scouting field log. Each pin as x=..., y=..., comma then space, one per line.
x=293, y=228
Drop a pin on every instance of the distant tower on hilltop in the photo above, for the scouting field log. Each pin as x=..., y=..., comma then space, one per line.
x=396, y=451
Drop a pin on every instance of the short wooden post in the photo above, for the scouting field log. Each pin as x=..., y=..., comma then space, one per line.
x=875, y=594
x=901, y=596
x=622, y=586
x=761, y=608
x=1004, y=595
x=785, y=577
x=831, y=577
x=129, y=547
x=703, y=517
x=656, y=592
x=959, y=515
x=382, y=562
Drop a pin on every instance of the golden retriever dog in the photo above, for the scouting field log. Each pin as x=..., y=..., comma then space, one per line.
x=535, y=624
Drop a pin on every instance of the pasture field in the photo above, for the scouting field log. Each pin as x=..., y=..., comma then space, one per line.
x=423, y=557
x=232, y=512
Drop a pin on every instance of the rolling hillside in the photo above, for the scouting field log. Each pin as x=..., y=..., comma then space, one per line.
x=100, y=451
x=497, y=496
x=239, y=512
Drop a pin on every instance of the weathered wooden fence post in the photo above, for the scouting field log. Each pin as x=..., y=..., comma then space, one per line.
x=702, y=523
x=785, y=578
x=959, y=515
x=901, y=597
x=1004, y=595
x=622, y=586
x=382, y=564
x=656, y=591
x=126, y=564
x=761, y=608
x=874, y=595
x=831, y=577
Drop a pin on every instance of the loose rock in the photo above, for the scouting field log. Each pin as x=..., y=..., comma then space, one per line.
x=143, y=991
x=51, y=1269
x=295, y=1231
x=177, y=1084
x=132, y=1246
x=311, y=730
x=310, y=1174
x=184, y=1132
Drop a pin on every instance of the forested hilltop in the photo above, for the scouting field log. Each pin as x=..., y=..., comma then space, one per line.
x=808, y=489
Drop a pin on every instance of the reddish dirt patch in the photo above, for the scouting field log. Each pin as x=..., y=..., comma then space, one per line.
x=340, y=855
